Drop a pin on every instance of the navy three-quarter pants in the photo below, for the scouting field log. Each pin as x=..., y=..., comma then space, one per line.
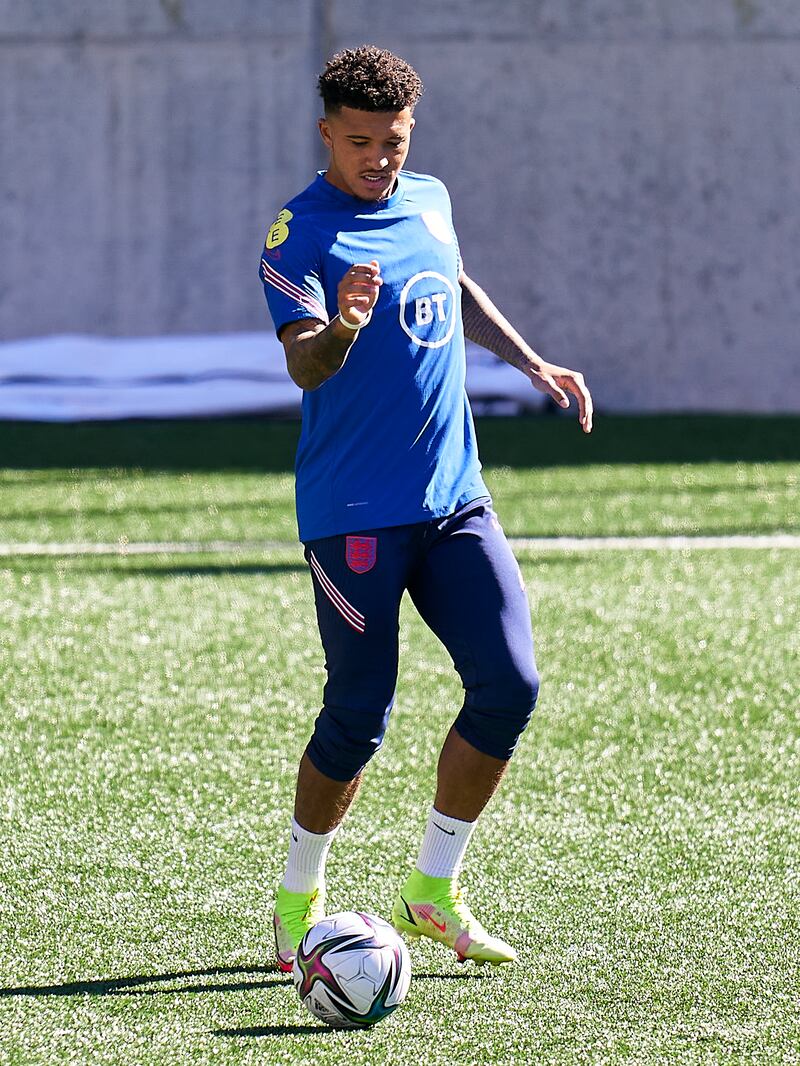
x=465, y=583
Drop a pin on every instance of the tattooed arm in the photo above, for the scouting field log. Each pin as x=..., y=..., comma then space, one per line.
x=486, y=326
x=315, y=351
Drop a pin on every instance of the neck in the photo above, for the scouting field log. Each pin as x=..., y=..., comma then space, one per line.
x=384, y=196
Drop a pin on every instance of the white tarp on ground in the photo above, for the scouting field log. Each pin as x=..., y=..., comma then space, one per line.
x=73, y=378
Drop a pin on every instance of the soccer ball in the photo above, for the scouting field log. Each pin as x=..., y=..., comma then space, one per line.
x=351, y=970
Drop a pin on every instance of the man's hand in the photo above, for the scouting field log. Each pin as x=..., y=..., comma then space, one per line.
x=358, y=292
x=557, y=381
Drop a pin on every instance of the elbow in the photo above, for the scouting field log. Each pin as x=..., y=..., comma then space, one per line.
x=303, y=377
x=300, y=379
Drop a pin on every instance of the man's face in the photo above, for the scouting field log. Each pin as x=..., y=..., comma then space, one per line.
x=368, y=149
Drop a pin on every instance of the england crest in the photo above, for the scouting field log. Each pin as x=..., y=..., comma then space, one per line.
x=361, y=553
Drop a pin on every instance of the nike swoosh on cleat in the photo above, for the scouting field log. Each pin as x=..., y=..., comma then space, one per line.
x=409, y=912
x=450, y=832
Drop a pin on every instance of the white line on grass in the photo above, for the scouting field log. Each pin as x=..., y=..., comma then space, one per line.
x=154, y=547
x=679, y=543
x=543, y=544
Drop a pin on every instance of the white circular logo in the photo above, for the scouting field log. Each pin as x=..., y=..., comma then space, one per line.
x=429, y=310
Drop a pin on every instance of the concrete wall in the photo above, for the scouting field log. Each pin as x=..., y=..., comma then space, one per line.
x=625, y=173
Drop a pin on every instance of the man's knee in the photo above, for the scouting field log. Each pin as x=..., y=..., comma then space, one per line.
x=521, y=690
x=496, y=713
x=344, y=739
x=511, y=694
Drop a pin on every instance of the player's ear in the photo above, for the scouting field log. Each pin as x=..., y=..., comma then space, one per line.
x=325, y=132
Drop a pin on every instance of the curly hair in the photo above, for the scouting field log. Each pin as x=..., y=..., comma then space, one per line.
x=369, y=79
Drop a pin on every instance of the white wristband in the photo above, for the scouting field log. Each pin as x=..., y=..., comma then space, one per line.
x=347, y=325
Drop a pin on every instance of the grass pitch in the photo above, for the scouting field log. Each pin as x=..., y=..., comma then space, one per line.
x=643, y=854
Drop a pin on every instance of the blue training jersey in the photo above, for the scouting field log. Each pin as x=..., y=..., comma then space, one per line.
x=389, y=439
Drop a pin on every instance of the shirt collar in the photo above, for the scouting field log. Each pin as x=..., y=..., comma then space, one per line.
x=355, y=203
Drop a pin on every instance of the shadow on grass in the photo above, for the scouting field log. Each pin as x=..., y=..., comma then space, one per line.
x=263, y=445
x=261, y=1031
x=277, y=1030
x=131, y=986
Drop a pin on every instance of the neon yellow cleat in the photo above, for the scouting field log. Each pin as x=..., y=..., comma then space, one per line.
x=434, y=907
x=295, y=913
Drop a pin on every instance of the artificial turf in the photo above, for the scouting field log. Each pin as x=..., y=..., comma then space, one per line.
x=642, y=855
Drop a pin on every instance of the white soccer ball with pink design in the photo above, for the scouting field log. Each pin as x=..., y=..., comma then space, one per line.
x=351, y=970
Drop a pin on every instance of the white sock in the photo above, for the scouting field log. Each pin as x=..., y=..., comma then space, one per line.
x=305, y=868
x=443, y=845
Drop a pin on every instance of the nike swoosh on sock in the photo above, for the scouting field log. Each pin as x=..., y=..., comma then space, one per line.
x=450, y=832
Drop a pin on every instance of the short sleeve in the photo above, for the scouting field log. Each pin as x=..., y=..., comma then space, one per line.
x=290, y=271
x=449, y=217
x=459, y=260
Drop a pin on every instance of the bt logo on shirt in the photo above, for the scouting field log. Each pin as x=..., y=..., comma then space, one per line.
x=424, y=308
x=427, y=309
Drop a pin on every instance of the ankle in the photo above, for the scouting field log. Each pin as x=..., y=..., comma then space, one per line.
x=305, y=866
x=420, y=882
x=444, y=845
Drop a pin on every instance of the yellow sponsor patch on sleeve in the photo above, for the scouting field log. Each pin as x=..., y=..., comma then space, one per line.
x=279, y=230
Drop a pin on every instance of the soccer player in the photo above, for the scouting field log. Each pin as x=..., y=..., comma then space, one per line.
x=365, y=284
